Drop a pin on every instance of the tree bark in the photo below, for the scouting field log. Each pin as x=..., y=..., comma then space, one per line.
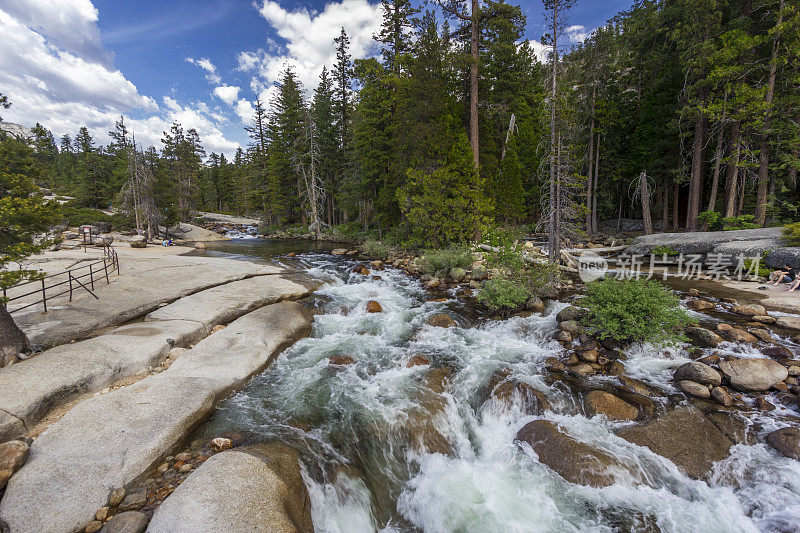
x=596, y=179
x=665, y=206
x=732, y=179
x=675, y=215
x=644, y=189
x=763, y=159
x=589, y=188
x=696, y=182
x=553, y=238
x=718, y=153
x=12, y=339
x=473, y=84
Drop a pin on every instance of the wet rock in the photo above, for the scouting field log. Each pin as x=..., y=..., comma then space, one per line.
x=598, y=402
x=554, y=364
x=432, y=283
x=702, y=337
x=138, y=241
x=762, y=335
x=794, y=370
x=563, y=336
x=693, y=388
x=573, y=460
x=686, y=436
x=127, y=522
x=750, y=310
x=374, y=307
x=93, y=527
x=340, y=360
x=710, y=359
x=219, y=444
x=635, y=385
x=699, y=305
x=116, y=497
x=571, y=326
x=698, y=372
x=615, y=368
x=722, y=328
x=588, y=356
x=441, y=320
x=339, y=251
x=763, y=405
x=571, y=313
x=582, y=368
x=535, y=304
x=534, y=401
x=765, y=319
x=417, y=360
x=738, y=335
x=134, y=500
x=753, y=374
x=722, y=396
x=101, y=514
x=788, y=322
x=588, y=343
x=778, y=352
x=786, y=441
x=13, y=455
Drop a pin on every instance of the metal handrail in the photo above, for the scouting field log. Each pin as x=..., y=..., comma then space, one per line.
x=110, y=261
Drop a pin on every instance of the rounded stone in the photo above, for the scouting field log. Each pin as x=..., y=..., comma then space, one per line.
x=116, y=496
x=699, y=305
x=93, y=526
x=694, y=388
x=374, y=307
x=441, y=320
x=598, y=402
x=698, y=372
x=753, y=374
x=750, y=310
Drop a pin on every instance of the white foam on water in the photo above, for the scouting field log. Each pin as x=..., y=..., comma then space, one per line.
x=488, y=482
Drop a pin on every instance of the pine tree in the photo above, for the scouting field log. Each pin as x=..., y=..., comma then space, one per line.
x=323, y=115
x=93, y=186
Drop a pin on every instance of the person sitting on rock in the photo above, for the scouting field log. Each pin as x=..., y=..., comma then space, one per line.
x=784, y=275
x=794, y=285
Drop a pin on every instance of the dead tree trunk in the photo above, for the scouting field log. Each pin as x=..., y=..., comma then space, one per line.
x=644, y=189
x=696, y=182
x=732, y=178
x=12, y=339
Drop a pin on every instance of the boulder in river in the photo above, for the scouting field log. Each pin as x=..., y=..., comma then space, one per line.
x=699, y=305
x=703, y=337
x=722, y=396
x=374, y=307
x=788, y=322
x=750, y=310
x=753, y=374
x=256, y=488
x=571, y=326
x=441, y=320
x=340, y=360
x=693, y=388
x=571, y=459
x=534, y=402
x=739, y=335
x=786, y=441
x=598, y=402
x=686, y=436
x=571, y=313
x=699, y=372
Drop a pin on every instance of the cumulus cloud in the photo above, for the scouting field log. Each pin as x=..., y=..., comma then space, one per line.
x=55, y=71
x=206, y=64
x=308, y=37
x=577, y=34
x=541, y=51
x=227, y=93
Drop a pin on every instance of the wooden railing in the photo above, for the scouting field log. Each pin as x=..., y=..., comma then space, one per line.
x=66, y=282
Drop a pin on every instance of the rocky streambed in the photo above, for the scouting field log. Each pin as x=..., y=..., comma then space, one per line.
x=404, y=410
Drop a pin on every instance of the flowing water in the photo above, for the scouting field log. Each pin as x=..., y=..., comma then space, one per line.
x=391, y=447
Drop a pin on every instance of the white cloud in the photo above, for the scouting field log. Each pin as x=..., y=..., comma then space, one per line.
x=68, y=24
x=227, y=93
x=309, y=40
x=541, y=51
x=244, y=109
x=206, y=64
x=577, y=34
x=55, y=71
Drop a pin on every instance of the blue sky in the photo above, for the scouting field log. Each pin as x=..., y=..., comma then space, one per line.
x=68, y=63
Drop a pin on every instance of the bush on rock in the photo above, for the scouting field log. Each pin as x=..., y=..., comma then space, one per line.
x=633, y=310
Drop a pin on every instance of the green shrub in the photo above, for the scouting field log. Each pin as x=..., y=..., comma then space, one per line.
x=78, y=216
x=762, y=271
x=376, y=249
x=717, y=222
x=792, y=234
x=503, y=294
x=634, y=310
x=446, y=259
x=663, y=250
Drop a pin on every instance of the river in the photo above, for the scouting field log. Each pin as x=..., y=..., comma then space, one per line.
x=391, y=447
